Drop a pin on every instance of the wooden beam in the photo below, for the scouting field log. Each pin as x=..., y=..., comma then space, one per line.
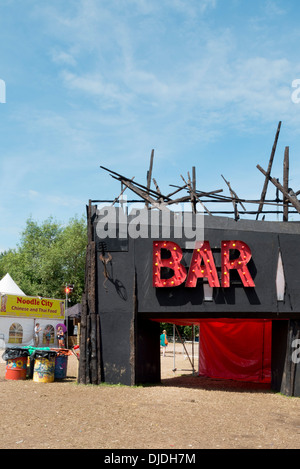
x=268, y=173
x=122, y=192
x=194, y=189
x=144, y=195
x=233, y=194
x=177, y=190
x=197, y=198
x=149, y=174
x=286, y=183
x=121, y=178
x=292, y=198
x=234, y=199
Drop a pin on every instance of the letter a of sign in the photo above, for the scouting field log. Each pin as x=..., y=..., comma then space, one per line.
x=240, y=264
x=172, y=262
x=203, y=266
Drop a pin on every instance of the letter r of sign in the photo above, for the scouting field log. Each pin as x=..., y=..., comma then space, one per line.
x=239, y=264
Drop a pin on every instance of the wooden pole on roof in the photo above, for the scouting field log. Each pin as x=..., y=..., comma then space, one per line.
x=149, y=174
x=234, y=199
x=291, y=196
x=123, y=189
x=286, y=184
x=194, y=189
x=268, y=172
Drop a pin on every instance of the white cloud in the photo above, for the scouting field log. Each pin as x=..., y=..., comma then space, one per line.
x=199, y=82
x=61, y=57
x=272, y=8
x=95, y=85
x=33, y=194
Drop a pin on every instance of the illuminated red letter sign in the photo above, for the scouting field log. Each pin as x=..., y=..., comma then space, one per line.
x=202, y=265
x=172, y=262
x=239, y=264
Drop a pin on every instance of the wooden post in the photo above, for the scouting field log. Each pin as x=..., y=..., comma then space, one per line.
x=82, y=342
x=286, y=184
x=193, y=195
x=149, y=175
x=133, y=326
x=291, y=198
x=99, y=367
x=234, y=199
x=88, y=350
x=268, y=173
x=90, y=354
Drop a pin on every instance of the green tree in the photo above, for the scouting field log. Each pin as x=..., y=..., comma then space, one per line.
x=49, y=256
x=186, y=332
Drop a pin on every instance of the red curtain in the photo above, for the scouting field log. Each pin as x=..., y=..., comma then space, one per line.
x=236, y=349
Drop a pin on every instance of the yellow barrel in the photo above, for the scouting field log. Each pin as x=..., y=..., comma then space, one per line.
x=44, y=366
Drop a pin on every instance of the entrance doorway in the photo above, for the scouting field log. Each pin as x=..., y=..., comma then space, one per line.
x=235, y=349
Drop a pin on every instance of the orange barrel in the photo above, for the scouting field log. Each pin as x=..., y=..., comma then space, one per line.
x=16, y=363
x=44, y=366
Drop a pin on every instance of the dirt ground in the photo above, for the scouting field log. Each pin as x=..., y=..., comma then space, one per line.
x=185, y=412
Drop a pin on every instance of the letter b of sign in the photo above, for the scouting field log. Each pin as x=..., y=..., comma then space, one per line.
x=167, y=269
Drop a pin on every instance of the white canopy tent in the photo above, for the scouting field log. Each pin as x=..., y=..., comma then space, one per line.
x=21, y=326
x=9, y=287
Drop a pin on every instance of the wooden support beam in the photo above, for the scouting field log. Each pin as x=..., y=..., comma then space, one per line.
x=177, y=190
x=197, y=198
x=90, y=352
x=286, y=184
x=121, y=178
x=83, y=341
x=268, y=173
x=291, y=198
x=144, y=195
x=149, y=174
x=122, y=192
x=233, y=194
x=205, y=194
x=193, y=195
x=234, y=199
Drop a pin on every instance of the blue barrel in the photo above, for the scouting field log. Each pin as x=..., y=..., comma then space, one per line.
x=61, y=364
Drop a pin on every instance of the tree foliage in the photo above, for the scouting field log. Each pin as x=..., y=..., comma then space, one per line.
x=186, y=332
x=49, y=256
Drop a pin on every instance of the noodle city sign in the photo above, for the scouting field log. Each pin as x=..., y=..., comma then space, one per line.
x=168, y=255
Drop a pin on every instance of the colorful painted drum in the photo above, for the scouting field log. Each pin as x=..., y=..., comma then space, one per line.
x=61, y=364
x=43, y=371
x=16, y=368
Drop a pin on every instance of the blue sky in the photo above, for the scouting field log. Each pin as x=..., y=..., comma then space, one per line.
x=103, y=82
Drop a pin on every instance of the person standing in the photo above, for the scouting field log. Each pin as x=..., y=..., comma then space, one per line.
x=164, y=342
x=60, y=337
x=37, y=330
x=48, y=336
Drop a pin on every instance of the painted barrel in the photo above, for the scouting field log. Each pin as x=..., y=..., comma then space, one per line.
x=30, y=366
x=16, y=368
x=61, y=364
x=44, y=366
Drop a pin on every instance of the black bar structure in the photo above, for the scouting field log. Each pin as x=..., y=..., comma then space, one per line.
x=122, y=306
